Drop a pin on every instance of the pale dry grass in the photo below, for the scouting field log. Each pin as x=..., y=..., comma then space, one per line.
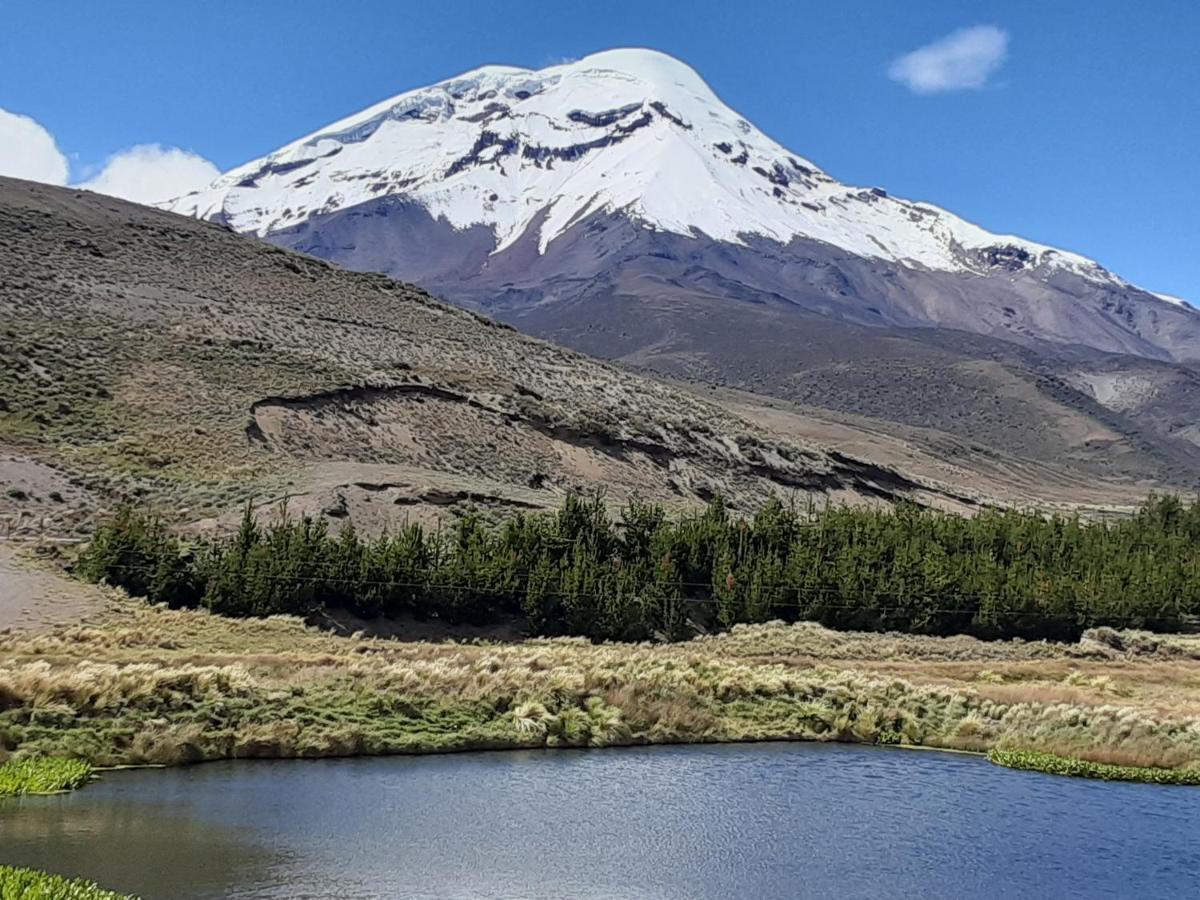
x=148, y=684
x=1042, y=694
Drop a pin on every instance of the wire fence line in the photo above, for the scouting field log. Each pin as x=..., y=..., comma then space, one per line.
x=24, y=527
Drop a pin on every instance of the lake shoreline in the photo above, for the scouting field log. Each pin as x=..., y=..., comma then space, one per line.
x=1027, y=761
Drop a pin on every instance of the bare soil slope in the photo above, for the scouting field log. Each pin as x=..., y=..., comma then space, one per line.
x=144, y=354
x=1023, y=363
x=36, y=596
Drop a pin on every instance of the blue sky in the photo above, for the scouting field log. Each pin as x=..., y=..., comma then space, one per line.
x=1084, y=135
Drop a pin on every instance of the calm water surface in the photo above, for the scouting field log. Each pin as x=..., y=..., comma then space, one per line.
x=761, y=821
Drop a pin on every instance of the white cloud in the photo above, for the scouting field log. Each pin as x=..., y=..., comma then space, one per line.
x=27, y=150
x=963, y=60
x=149, y=173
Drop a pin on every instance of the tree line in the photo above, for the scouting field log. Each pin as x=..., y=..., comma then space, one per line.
x=643, y=574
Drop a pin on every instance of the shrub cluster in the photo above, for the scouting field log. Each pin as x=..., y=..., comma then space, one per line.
x=642, y=574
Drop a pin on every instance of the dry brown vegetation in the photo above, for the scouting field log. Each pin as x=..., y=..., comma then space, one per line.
x=145, y=684
x=146, y=354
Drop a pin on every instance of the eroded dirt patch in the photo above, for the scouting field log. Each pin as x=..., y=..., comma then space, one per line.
x=35, y=597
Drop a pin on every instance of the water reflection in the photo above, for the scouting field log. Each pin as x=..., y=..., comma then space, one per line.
x=131, y=841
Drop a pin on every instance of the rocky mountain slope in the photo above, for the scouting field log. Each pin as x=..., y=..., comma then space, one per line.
x=523, y=166
x=615, y=205
x=149, y=355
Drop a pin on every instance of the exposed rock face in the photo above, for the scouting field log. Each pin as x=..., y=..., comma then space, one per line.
x=1031, y=306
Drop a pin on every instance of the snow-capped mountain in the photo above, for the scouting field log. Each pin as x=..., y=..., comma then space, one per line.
x=486, y=185
x=631, y=131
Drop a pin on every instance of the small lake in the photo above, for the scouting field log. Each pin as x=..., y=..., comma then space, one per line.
x=749, y=820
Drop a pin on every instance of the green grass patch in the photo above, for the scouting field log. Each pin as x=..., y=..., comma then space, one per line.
x=44, y=775
x=29, y=884
x=1052, y=764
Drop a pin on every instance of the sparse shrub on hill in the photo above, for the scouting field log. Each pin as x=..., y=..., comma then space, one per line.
x=644, y=575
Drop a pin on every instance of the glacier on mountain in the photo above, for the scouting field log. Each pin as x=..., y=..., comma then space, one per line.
x=632, y=132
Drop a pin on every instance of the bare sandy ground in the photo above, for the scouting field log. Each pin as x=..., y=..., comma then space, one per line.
x=935, y=458
x=34, y=597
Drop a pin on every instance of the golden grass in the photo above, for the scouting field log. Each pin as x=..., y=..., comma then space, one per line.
x=151, y=685
x=1042, y=694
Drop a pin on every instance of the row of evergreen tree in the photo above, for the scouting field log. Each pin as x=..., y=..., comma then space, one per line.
x=643, y=574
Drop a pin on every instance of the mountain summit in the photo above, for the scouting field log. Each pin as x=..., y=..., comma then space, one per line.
x=530, y=153
x=616, y=205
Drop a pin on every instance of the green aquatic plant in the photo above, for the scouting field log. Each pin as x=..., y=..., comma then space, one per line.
x=1052, y=764
x=43, y=775
x=30, y=884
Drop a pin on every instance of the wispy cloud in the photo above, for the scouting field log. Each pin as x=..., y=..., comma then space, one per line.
x=146, y=173
x=963, y=60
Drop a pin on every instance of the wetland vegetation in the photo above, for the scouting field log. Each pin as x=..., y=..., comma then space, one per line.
x=1052, y=764
x=146, y=684
x=43, y=775
x=30, y=884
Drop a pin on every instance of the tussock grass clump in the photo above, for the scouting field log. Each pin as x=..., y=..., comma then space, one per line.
x=153, y=685
x=1053, y=764
x=45, y=775
x=30, y=884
